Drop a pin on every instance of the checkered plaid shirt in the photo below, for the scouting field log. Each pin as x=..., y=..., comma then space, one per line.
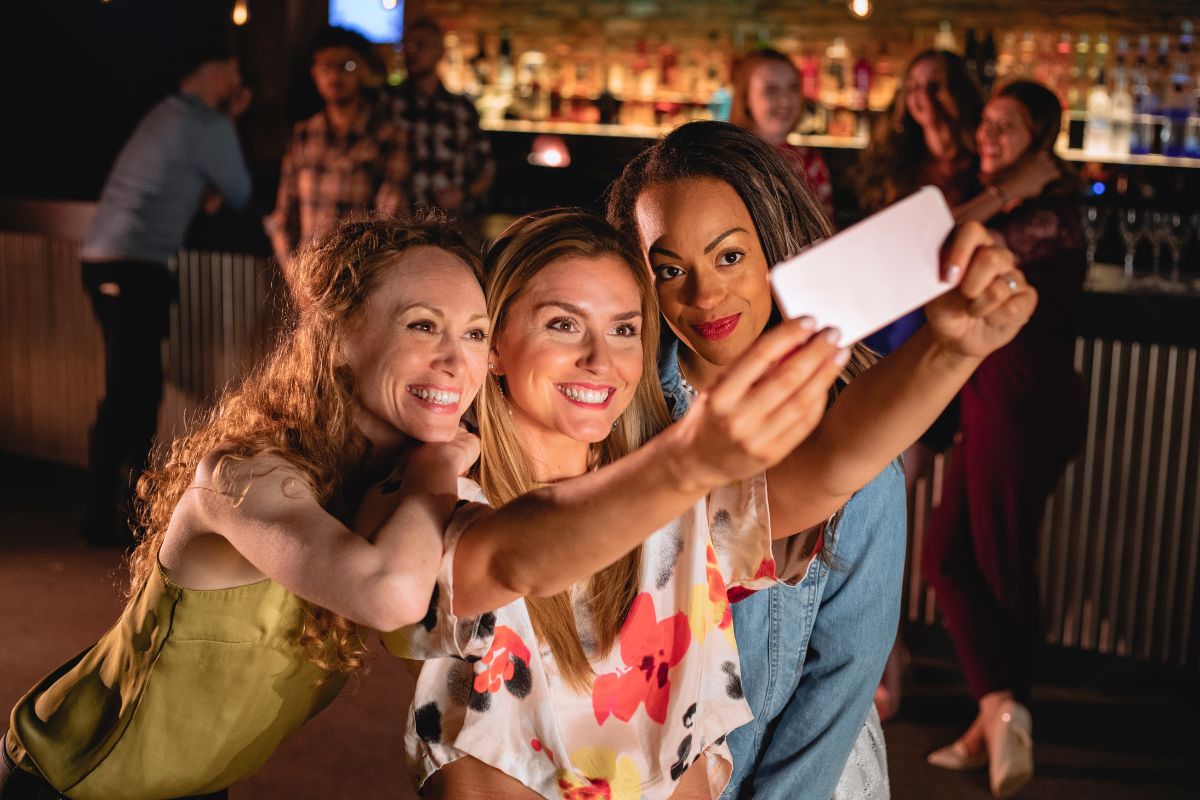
x=445, y=145
x=325, y=177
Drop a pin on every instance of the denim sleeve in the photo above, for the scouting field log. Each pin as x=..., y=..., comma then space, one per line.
x=805, y=746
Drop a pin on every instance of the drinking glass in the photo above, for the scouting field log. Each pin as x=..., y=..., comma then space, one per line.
x=1177, y=230
x=1094, y=221
x=1157, y=226
x=1131, y=222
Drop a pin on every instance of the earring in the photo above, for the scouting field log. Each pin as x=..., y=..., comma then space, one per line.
x=616, y=424
x=491, y=366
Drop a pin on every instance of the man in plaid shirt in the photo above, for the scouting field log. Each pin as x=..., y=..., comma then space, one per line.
x=451, y=157
x=350, y=157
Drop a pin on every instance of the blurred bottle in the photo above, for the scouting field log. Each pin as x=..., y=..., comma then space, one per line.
x=1178, y=104
x=1122, y=102
x=1097, y=132
x=1141, y=140
x=1080, y=79
x=863, y=73
x=971, y=56
x=987, y=56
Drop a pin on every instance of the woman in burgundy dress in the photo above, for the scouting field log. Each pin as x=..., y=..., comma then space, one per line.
x=1023, y=418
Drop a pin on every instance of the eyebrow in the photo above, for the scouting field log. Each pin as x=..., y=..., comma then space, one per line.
x=574, y=309
x=435, y=311
x=708, y=249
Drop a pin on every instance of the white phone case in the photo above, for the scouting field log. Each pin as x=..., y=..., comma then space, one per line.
x=873, y=272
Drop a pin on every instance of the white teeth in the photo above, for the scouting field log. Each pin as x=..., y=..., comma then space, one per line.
x=435, y=395
x=589, y=396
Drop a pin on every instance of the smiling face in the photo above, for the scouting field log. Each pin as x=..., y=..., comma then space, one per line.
x=1003, y=135
x=925, y=89
x=570, y=353
x=419, y=351
x=710, y=273
x=773, y=98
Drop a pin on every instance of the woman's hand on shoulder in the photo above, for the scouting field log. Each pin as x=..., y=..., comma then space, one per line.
x=762, y=407
x=1030, y=177
x=991, y=302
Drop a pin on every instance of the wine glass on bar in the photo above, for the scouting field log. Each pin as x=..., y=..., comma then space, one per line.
x=1094, y=221
x=1177, y=229
x=1157, y=232
x=1131, y=222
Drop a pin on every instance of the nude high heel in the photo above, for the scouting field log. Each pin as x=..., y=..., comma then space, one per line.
x=956, y=756
x=1009, y=739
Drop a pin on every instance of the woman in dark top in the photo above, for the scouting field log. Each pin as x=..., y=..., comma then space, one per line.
x=1023, y=418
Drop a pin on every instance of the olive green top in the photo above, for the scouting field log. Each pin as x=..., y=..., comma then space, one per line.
x=189, y=692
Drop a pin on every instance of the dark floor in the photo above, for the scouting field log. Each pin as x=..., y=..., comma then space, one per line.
x=1104, y=728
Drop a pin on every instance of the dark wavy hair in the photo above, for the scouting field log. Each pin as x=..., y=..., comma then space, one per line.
x=787, y=216
x=890, y=168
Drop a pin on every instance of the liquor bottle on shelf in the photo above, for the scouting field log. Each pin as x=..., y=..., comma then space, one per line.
x=1141, y=141
x=1122, y=103
x=987, y=56
x=971, y=56
x=1177, y=105
x=1080, y=80
x=1097, y=132
x=863, y=73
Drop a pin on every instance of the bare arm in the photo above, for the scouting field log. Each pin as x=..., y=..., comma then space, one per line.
x=542, y=542
x=1024, y=183
x=266, y=509
x=888, y=407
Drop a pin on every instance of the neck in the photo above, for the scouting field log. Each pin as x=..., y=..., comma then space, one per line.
x=201, y=90
x=775, y=139
x=343, y=114
x=939, y=143
x=554, y=456
x=426, y=82
x=385, y=443
x=695, y=370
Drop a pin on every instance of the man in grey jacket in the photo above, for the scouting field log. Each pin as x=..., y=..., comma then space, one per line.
x=183, y=154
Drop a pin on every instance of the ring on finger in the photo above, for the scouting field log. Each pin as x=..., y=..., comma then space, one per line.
x=1011, y=283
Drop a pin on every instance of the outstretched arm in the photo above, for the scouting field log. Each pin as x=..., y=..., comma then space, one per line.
x=544, y=541
x=888, y=407
x=265, y=508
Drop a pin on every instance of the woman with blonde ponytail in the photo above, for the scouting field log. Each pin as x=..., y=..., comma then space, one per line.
x=252, y=587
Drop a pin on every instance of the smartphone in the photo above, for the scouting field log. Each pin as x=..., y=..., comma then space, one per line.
x=873, y=272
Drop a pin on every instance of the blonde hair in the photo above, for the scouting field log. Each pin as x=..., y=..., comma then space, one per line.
x=526, y=247
x=298, y=405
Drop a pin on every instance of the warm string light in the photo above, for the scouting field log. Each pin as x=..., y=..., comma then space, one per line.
x=388, y=5
x=241, y=12
x=861, y=8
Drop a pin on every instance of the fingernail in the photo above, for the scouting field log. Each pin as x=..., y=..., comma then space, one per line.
x=842, y=357
x=832, y=335
x=952, y=273
x=807, y=323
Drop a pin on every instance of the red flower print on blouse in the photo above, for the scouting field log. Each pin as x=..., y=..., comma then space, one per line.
x=766, y=569
x=498, y=661
x=649, y=648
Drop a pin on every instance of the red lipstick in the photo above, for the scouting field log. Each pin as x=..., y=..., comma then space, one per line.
x=718, y=328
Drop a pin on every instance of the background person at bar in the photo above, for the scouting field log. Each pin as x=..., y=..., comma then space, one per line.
x=183, y=153
x=1023, y=418
x=349, y=157
x=766, y=100
x=450, y=157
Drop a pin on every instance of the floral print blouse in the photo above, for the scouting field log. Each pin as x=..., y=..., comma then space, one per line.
x=667, y=693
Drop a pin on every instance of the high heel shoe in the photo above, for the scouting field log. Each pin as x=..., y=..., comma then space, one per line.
x=1009, y=739
x=956, y=756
